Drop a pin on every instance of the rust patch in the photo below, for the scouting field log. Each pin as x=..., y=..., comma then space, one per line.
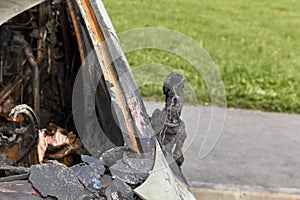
x=13, y=152
x=76, y=29
x=19, y=118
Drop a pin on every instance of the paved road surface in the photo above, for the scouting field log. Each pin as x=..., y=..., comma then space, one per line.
x=255, y=148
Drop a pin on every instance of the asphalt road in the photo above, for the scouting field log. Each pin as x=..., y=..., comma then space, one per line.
x=254, y=149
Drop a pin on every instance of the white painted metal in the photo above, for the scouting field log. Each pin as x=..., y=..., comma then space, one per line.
x=162, y=183
x=11, y=8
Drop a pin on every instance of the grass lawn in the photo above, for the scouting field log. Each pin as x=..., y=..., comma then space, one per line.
x=254, y=43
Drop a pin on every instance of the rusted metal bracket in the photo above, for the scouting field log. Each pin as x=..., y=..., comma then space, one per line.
x=78, y=34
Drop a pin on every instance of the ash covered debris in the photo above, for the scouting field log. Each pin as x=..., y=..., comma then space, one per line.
x=166, y=123
x=85, y=178
x=127, y=165
x=89, y=172
x=111, y=156
x=56, y=180
x=89, y=179
x=114, y=175
x=32, y=145
x=118, y=190
x=131, y=170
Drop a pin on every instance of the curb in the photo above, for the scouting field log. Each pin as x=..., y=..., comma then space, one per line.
x=207, y=191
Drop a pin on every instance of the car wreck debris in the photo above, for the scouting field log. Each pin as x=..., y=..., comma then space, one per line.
x=36, y=145
x=49, y=146
x=131, y=170
x=111, y=156
x=90, y=172
x=54, y=143
x=56, y=180
x=84, y=182
x=17, y=143
x=163, y=181
x=92, y=179
x=89, y=179
x=166, y=123
x=10, y=173
x=118, y=190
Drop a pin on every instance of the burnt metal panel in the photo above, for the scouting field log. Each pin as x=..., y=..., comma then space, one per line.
x=126, y=100
x=11, y=8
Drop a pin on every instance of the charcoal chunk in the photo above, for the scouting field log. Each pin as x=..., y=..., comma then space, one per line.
x=131, y=170
x=105, y=180
x=87, y=175
x=56, y=180
x=111, y=156
x=140, y=167
x=118, y=190
x=94, y=163
x=90, y=172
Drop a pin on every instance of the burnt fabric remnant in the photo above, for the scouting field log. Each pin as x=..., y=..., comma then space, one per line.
x=166, y=123
x=55, y=143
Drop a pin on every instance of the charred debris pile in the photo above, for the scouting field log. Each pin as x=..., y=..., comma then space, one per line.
x=113, y=176
x=52, y=163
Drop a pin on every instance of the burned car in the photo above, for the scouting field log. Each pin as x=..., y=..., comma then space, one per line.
x=72, y=122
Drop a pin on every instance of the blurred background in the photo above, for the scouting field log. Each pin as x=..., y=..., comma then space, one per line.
x=255, y=45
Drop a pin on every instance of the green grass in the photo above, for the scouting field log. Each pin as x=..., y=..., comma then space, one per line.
x=254, y=43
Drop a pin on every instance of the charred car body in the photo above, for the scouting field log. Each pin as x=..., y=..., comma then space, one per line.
x=56, y=57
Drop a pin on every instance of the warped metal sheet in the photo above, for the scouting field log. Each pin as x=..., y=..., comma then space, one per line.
x=126, y=100
x=162, y=183
x=11, y=8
